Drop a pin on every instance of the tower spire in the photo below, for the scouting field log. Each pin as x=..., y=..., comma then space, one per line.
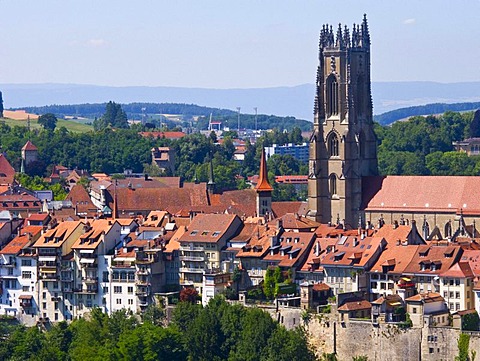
x=211, y=180
x=263, y=184
x=264, y=189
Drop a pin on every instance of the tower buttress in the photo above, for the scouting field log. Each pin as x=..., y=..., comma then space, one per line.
x=343, y=144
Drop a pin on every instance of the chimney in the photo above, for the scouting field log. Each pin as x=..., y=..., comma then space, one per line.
x=355, y=242
x=395, y=224
x=279, y=223
x=317, y=249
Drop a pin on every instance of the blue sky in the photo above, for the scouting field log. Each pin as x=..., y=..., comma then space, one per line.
x=228, y=44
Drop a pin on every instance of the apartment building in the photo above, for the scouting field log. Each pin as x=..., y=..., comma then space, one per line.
x=53, y=249
x=201, y=246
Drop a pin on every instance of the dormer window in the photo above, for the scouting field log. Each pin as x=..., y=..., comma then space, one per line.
x=296, y=239
x=193, y=233
x=216, y=234
x=204, y=233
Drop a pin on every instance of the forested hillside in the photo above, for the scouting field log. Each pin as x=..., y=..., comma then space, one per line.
x=151, y=112
x=437, y=108
x=218, y=331
x=423, y=146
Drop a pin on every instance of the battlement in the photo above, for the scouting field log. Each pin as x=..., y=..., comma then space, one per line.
x=360, y=37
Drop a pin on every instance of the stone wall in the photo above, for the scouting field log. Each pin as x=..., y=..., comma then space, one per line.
x=378, y=343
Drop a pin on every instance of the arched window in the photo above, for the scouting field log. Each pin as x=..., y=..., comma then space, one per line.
x=332, y=95
x=448, y=229
x=333, y=184
x=333, y=147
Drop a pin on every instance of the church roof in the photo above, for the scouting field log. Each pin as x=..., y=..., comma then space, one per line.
x=29, y=146
x=263, y=185
x=422, y=193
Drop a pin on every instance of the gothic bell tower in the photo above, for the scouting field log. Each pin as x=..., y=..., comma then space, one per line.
x=343, y=146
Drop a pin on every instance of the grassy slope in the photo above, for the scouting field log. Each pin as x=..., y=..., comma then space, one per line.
x=70, y=125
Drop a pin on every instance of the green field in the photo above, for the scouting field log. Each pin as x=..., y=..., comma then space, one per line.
x=70, y=125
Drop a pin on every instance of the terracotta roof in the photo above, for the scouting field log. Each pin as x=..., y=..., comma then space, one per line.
x=279, y=209
x=263, y=185
x=55, y=237
x=93, y=235
x=174, y=182
x=442, y=256
x=294, y=221
x=473, y=258
x=353, y=251
x=39, y=217
x=393, y=233
x=174, y=244
x=166, y=135
x=398, y=256
x=321, y=287
x=29, y=146
x=427, y=297
x=292, y=249
x=154, y=219
x=81, y=201
x=260, y=242
x=135, y=183
x=356, y=305
x=459, y=270
x=422, y=193
x=19, y=242
x=7, y=173
x=209, y=228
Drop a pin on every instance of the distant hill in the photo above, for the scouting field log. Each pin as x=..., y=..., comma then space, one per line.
x=296, y=101
x=194, y=114
x=402, y=113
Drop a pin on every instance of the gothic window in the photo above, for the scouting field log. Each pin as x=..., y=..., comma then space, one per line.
x=332, y=95
x=333, y=184
x=448, y=230
x=333, y=147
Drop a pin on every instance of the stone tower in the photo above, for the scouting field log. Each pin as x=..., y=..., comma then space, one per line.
x=343, y=146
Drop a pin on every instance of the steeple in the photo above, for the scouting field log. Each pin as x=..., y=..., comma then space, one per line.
x=264, y=189
x=263, y=185
x=211, y=181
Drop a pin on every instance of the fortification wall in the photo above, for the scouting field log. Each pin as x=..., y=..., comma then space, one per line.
x=378, y=343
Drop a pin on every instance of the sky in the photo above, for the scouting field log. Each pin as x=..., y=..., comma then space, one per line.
x=228, y=44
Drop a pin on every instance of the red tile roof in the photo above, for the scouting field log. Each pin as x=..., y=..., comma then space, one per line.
x=398, y=256
x=209, y=228
x=166, y=135
x=422, y=193
x=459, y=270
x=29, y=146
x=427, y=297
x=24, y=240
x=442, y=256
x=7, y=173
x=292, y=249
x=355, y=305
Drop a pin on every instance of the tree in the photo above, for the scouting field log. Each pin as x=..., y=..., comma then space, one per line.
x=463, y=344
x=189, y=294
x=114, y=116
x=1, y=105
x=48, y=121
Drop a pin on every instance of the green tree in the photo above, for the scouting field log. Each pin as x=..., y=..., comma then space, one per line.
x=114, y=116
x=48, y=121
x=463, y=344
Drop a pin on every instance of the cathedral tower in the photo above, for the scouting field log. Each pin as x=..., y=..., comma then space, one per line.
x=343, y=146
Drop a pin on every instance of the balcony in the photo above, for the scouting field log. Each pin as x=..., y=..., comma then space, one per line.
x=88, y=262
x=192, y=258
x=191, y=270
x=405, y=285
x=142, y=272
x=142, y=291
x=192, y=248
x=143, y=282
x=89, y=280
x=88, y=289
x=52, y=276
x=184, y=282
x=9, y=264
